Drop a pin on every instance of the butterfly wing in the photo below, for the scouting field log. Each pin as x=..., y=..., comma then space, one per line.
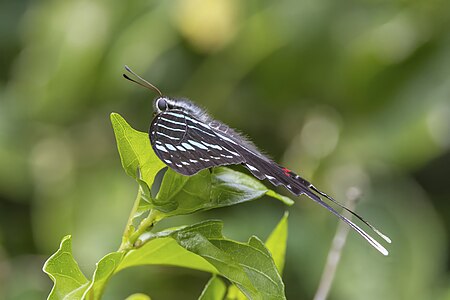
x=187, y=145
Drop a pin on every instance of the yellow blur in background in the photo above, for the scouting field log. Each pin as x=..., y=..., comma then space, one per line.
x=345, y=93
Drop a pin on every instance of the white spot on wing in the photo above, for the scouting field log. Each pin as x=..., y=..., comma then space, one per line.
x=212, y=146
x=232, y=152
x=170, y=147
x=187, y=146
x=252, y=168
x=181, y=148
x=161, y=148
x=198, y=145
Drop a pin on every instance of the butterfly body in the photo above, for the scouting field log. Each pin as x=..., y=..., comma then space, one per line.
x=188, y=140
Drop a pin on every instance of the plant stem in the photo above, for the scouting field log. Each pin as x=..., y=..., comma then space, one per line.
x=334, y=255
x=148, y=222
x=129, y=228
x=131, y=234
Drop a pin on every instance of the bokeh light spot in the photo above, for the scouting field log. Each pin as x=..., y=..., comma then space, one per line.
x=207, y=25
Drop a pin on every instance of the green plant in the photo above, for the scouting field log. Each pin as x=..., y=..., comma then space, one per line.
x=252, y=268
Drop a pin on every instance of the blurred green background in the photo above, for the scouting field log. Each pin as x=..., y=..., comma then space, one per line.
x=347, y=93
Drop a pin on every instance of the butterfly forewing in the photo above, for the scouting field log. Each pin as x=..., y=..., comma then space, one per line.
x=187, y=145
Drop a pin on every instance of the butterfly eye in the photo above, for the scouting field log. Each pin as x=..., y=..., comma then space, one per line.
x=161, y=104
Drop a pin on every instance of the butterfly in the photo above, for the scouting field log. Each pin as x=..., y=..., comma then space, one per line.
x=188, y=140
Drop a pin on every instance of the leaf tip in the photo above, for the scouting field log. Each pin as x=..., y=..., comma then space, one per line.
x=113, y=116
x=66, y=242
x=65, y=238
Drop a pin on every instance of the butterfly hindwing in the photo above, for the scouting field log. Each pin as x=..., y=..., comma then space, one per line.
x=187, y=145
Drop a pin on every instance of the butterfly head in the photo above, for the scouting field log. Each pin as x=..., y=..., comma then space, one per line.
x=164, y=103
x=161, y=104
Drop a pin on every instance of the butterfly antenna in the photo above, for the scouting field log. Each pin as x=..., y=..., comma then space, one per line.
x=142, y=81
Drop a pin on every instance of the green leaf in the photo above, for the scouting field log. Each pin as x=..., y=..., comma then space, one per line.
x=61, y=267
x=284, y=199
x=104, y=270
x=230, y=187
x=276, y=244
x=206, y=190
x=183, y=194
x=277, y=241
x=70, y=283
x=248, y=265
x=214, y=290
x=138, y=159
x=165, y=251
x=135, y=151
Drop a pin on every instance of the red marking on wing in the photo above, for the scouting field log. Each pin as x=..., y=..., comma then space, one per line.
x=287, y=172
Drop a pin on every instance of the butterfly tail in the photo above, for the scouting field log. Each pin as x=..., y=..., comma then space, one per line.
x=279, y=175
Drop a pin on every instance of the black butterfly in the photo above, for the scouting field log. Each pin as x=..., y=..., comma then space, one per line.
x=188, y=140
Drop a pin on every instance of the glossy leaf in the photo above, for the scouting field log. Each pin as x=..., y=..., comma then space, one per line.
x=276, y=243
x=227, y=182
x=210, y=189
x=165, y=251
x=248, y=265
